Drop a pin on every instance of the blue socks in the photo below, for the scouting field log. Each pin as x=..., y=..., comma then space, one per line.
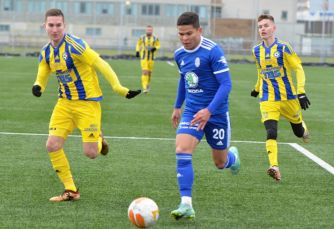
x=230, y=160
x=185, y=173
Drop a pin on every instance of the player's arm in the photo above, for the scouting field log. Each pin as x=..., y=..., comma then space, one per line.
x=255, y=92
x=42, y=77
x=156, y=45
x=109, y=74
x=180, y=96
x=296, y=65
x=138, y=47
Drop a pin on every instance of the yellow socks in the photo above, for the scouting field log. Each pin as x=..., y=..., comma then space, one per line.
x=62, y=167
x=144, y=81
x=271, y=146
x=99, y=145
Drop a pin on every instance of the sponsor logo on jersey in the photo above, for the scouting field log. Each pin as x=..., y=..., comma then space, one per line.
x=222, y=60
x=197, y=62
x=192, y=79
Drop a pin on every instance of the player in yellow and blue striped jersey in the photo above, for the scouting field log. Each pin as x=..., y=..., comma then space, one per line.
x=146, y=48
x=74, y=64
x=275, y=61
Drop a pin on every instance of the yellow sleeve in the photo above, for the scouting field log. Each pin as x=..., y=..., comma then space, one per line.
x=43, y=73
x=109, y=74
x=295, y=63
x=257, y=84
x=139, y=43
x=157, y=43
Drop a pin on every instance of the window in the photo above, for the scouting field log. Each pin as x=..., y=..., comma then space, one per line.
x=62, y=5
x=83, y=7
x=137, y=32
x=36, y=6
x=174, y=10
x=284, y=15
x=8, y=5
x=216, y=12
x=266, y=12
x=93, y=31
x=104, y=8
x=4, y=28
x=150, y=9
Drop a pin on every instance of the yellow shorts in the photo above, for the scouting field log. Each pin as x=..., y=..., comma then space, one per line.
x=70, y=114
x=147, y=65
x=290, y=109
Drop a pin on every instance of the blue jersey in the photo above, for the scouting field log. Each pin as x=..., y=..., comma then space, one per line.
x=201, y=71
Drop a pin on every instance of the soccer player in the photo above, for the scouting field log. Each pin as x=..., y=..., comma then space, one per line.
x=204, y=86
x=146, y=47
x=278, y=96
x=74, y=64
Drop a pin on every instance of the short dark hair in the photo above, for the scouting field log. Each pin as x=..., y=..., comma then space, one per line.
x=188, y=18
x=54, y=12
x=265, y=16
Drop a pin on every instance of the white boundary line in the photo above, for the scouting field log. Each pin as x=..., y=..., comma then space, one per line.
x=296, y=146
x=314, y=158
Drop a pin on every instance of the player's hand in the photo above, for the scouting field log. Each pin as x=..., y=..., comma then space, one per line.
x=153, y=49
x=254, y=93
x=36, y=90
x=131, y=94
x=201, y=118
x=176, y=117
x=137, y=54
x=303, y=100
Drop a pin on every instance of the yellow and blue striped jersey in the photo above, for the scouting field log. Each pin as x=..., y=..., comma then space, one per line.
x=144, y=45
x=71, y=61
x=274, y=65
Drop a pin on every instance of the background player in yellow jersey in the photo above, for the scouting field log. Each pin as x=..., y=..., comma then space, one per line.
x=74, y=64
x=274, y=60
x=146, y=48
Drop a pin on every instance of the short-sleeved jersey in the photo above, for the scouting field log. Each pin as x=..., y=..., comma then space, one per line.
x=144, y=45
x=72, y=61
x=274, y=66
x=198, y=68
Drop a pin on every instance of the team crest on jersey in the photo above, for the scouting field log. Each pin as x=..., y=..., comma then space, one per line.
x=64, y=55
x=197, y=62
x=277, y=54
x=192, y=79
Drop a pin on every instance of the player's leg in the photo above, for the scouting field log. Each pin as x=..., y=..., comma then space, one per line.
x=218, y=135
x=187, y=139
x=150, y=69
x=88, y=120
x=292, y=111
x=60, y=126
x=270, y=112
x=145, y=75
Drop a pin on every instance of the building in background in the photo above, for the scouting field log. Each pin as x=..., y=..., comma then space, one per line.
x=116, y=24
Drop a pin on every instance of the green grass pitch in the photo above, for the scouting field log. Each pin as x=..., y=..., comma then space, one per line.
x=146, y=167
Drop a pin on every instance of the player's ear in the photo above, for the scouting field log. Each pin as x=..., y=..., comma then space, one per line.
x=200, y=29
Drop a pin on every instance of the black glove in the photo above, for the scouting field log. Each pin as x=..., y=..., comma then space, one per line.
x=132, y=94
x=303, y=100
x=254, y=93
x=137, y=54
x=153, y=49
x=36, y=90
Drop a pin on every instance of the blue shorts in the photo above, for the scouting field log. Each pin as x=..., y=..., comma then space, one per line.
x=217, y=130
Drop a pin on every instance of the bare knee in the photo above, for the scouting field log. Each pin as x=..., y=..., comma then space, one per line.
x=54, y=144
x=219, y=158
x=90, y=150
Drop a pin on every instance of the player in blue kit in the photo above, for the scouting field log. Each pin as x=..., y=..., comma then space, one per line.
x=204, y=86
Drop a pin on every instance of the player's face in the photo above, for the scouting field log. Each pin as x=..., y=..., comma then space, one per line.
x=55, y=27
x=266, y=29
x=149, y=31
x=189, y=36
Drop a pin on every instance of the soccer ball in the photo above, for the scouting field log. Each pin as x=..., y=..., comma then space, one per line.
x=143, y=212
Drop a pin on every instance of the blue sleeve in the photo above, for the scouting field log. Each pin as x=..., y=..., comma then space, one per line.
x=223, y=91
x=181, y=93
